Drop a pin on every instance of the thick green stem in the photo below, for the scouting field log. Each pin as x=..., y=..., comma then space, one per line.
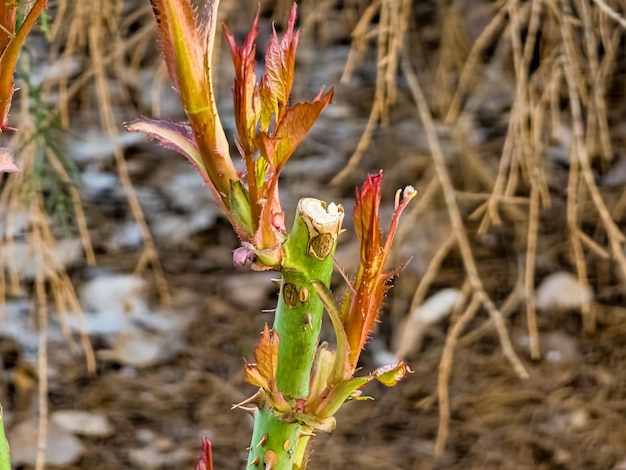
x=5, y=458
x=309, y=253
x=308, y=257
x=273, y=441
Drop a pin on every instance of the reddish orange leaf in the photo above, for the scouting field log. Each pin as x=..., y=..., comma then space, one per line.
x=296, y=122
x=365, y=217
x=363, y=305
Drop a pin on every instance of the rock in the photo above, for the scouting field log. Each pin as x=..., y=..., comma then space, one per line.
x=7, y=165
x=250, y=289
x=114, y=292
x=95, y=145
x=434, y=309
x=616, y=176
x=62, y=447
x=560, y=348
x=178, y=228
x=86, y=423
x=98, y=184
x=19, y=223
x=140, y=349
x=188, y=192
x=117, y=309
x=155, y=457
x=16, y=323
x=68, y=252
x=127, y=235
x=561, y=290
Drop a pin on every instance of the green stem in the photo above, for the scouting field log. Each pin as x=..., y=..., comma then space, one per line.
x=308, y=257
x=272, y=435
x=5, y=458
x=309, y=253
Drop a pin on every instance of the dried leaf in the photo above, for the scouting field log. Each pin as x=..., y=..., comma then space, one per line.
x=263, y=373
x=392, y=374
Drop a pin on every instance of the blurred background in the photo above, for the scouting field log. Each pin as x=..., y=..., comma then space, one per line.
x=123, y=320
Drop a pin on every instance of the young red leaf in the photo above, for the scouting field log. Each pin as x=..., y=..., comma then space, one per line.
x=365, y=218
x=205, y=462
x=271, y=223
x=245, y=91
x=280, y=60
x=366, y=301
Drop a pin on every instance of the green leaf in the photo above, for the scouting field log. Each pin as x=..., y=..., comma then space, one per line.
x=240, y=206
x=5, y=458
x=327, y=405
x=342, y=358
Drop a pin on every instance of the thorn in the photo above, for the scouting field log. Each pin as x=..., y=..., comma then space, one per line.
x=268, y=310
x=344, y=275
x=270, y=460
x=248, y=409
x=307, y=433
x=263, y=440
x=275, y=281
x=258, y=400
x=308, y=320
x=255, y=462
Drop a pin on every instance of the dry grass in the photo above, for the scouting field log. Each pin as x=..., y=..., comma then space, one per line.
x=560, y=81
